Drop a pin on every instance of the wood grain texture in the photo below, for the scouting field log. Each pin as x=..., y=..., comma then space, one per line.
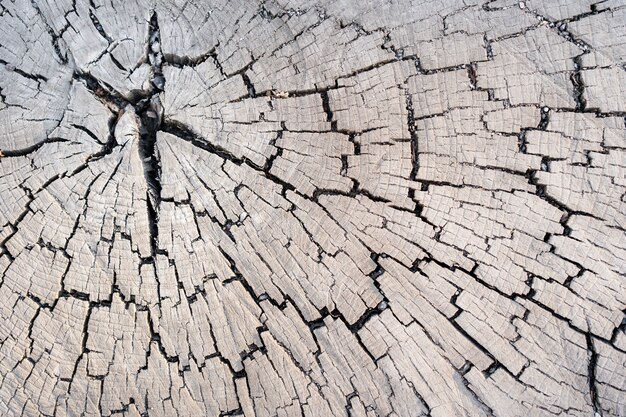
x=313, y=208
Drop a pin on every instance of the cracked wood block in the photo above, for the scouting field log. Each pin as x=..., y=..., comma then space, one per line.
x=312, y=208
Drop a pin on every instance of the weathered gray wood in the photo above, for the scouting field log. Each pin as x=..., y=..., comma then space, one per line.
x=312, y=208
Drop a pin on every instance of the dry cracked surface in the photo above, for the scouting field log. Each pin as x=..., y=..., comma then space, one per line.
x=309, y=208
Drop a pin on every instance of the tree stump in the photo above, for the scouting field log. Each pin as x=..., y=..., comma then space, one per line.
x=312, y=208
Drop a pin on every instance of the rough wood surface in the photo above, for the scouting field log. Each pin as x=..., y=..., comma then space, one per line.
x=312, y=208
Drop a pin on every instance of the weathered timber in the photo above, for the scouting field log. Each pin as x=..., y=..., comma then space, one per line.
x=313, y=208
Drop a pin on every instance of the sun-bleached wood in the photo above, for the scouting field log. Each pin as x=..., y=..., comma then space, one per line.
x=312, y=208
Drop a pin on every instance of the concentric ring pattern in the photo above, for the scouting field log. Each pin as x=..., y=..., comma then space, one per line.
x=312, y=208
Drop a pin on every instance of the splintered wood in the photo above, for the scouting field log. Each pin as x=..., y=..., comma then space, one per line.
x=312, y=208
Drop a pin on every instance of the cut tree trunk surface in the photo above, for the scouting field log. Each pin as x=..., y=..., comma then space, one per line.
x=312, y=208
